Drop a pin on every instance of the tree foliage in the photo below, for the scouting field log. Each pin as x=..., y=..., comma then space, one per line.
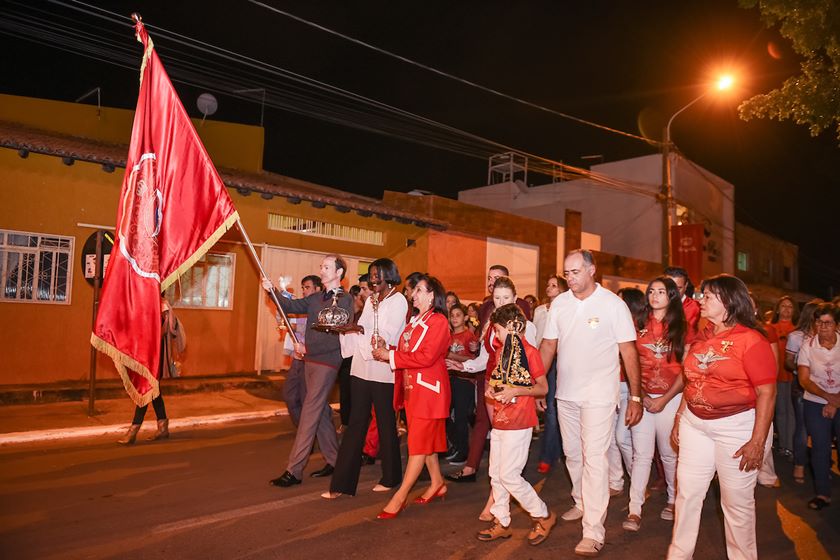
x=811, y=97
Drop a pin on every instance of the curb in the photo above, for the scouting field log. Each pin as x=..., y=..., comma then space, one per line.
x=35, y=436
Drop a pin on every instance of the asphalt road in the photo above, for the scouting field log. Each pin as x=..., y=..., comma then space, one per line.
x=205, y=494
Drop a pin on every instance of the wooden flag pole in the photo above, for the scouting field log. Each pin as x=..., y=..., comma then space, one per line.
x=265, y=277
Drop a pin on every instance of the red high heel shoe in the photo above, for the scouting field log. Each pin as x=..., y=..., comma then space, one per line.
x=439, y=493
x=388, y=515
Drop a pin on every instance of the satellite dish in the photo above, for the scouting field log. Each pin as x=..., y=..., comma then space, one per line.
x=207, y=104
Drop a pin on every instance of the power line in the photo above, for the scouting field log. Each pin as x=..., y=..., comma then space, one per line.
x=464, y=81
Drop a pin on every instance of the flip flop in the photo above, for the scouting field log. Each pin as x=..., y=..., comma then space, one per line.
x=818, y=503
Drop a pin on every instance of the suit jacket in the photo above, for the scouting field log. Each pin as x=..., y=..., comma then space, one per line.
x=420, y=353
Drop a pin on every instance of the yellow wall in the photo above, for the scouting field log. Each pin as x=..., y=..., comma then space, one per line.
x=50, y=342
x=230, y=145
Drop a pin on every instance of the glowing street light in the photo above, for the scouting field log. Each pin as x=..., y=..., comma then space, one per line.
x=723, y=83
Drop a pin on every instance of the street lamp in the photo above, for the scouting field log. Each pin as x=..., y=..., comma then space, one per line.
x=666, y=195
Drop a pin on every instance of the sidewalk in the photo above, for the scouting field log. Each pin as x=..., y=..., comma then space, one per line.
x=189, y=403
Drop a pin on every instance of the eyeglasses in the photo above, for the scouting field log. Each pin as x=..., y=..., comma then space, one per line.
x=829, y=323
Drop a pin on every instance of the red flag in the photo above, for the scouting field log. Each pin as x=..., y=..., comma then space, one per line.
x=687, y=249
x=173, y=207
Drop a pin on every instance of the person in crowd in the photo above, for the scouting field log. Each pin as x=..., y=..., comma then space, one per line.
x=173, y=341
x=532, y=304
x=452, y=300
x=690, y=305
x=372, y=383
x=464, y=344
x=588, y=328
x=294, y=385
x=767, y=476
x=473, y=323
x=724, y=418
x=519, y=377
x=819, y=373
x=785, y=317
x=322, y=357
x=487, y=307
x=503, y=292
x=420, y=354
x=551, y=446
x=345, y=402
x=621, y=447
x=660, y=344
x=364, y=289
x=805, y=328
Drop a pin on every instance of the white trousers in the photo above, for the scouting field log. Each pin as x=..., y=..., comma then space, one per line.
x=707, y=446
x=587, y=430
x=767, y=472
x=508, y=455
x=653, y=431
x=614, y=458
x=622, y=434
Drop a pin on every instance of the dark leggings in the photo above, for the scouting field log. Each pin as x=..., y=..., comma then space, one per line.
x=157, y=404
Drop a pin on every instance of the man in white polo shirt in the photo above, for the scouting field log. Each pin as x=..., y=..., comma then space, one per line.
x=588, y=327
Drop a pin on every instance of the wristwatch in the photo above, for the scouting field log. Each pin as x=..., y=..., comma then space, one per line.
x=636, y=399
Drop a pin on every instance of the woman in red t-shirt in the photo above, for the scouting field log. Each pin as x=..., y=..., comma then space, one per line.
x=660, y=343
x=785, y=317
x=724, y=418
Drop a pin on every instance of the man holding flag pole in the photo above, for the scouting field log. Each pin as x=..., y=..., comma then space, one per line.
x=173, y=208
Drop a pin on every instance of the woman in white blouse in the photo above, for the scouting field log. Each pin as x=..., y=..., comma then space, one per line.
x=819, y=374
x=372, y=383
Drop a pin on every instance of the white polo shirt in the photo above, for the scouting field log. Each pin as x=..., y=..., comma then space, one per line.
x=824, y=365
x=588, y=333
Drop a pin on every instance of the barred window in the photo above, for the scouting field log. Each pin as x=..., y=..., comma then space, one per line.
x=35, y=267
x=208, y=284
x=316, y=228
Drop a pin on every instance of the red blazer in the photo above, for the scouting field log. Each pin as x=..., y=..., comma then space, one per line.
x=420, y=353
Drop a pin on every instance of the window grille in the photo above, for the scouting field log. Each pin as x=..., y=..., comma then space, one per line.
x=208, y=284
x=305, y=226
x=35, y=267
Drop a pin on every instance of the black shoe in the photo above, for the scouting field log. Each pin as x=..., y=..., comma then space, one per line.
x=326, y=471
x=367, y=459
x=285, y=480
x=457, y=459
x=461, y=477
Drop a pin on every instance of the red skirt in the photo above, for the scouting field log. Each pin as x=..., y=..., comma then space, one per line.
x=426, y=435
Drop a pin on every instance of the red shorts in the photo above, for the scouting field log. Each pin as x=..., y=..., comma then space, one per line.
x=426, y=435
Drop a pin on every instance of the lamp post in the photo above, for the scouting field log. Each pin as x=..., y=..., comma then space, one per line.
x=667, y=195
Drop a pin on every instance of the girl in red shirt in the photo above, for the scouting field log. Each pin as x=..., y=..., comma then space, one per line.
x=660, y=344
x=463, y=344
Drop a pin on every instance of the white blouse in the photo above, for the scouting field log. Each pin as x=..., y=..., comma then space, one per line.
x=392, y=312
x=824, y=366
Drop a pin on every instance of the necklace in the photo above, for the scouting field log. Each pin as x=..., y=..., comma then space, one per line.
x=414, y=322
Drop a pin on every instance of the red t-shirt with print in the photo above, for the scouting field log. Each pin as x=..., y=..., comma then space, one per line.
x=692, y=316
x=659, y=369
x=722, y=371
x=464, y=344
x=522, y=413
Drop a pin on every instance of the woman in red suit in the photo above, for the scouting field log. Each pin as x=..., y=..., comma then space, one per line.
x=420, y=355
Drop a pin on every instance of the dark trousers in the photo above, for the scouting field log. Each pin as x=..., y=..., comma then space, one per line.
x=551, y=446
x=458, y=424
x=157, y=405
x=800, y=434
x=365, y=393
x=478, y=439
x=294, y=390
x=345, y=397
x=821, y=429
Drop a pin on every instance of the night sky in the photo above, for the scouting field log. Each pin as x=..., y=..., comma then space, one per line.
x=627, y=65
